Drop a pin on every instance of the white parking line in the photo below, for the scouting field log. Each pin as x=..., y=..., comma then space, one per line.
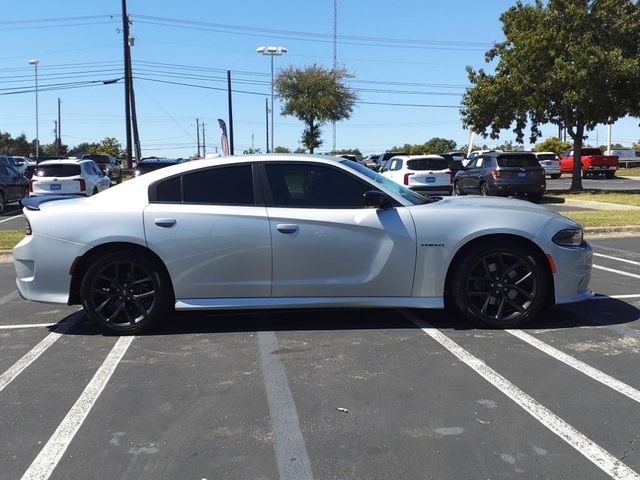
x=616, y=258
x=619, y=272
x=11, y=218
x=607, y=297
x=585, y=446
x=291, y=453
x=17, y=368
x=582, y=367
x=8, y=297
x=48, y=458
x=25, y=325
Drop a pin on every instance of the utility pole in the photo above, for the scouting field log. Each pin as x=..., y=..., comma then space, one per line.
x=335, y=55
x=127, y=81
x=134, y=116
x=198, y=134
x=204, y=143
x=59, y=130
x=266, y=105
x=230, y=112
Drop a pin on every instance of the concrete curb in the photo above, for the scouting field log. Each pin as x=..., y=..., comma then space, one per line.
x=596, y=205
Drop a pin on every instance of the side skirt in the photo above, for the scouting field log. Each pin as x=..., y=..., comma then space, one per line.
x=308, y=302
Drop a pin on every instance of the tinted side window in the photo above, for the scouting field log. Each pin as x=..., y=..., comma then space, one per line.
x=315, y=186
x=222, y=186
x=170, y=190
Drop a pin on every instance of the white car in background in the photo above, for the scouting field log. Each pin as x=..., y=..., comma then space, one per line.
x=421, y=173
x=294, y=231
x=68, y=177
x=550, y=162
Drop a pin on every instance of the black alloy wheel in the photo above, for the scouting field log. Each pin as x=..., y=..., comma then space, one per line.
x=125, y=292
x=500, y=285
x=484, y=189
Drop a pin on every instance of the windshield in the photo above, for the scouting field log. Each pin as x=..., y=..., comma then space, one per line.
x=409, y=195
x=546, y=156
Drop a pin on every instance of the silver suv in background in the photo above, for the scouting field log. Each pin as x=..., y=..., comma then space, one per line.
x=550, y=162
x=504, y=174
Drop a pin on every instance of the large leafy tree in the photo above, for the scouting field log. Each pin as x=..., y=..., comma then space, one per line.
x=573, y=63
x=18, y=146
x=552, y=144
x=315, y=95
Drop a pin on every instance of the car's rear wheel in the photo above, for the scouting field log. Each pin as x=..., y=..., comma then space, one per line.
x=484, y=190
x=457, y=189
x=125, y=292
x=499, y=284
x=535, y=197
x=2, y=202
x=610, y=174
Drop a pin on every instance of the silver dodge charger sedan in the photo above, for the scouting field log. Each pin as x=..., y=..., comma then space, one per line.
x=278, y=231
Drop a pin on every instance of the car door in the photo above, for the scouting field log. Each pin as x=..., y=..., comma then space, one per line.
x=464, y=176
x=475, y=175
x=211, y=232
x=326, y=243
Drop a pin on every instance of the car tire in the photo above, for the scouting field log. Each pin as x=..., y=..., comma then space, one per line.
x=94, y=191
x=610, y=175
x=555, y=176
x=457, y=189
x=535, y=197
x=125, y=292
x=500, y=284
x=2, y=202
x=585, y=174
x=484, y=189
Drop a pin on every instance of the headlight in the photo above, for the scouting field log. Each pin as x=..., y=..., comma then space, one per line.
x=571, y=237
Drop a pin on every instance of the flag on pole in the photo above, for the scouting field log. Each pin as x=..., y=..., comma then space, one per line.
x=224, y=141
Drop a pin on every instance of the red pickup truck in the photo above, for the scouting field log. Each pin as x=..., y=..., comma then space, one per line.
x=593, y=162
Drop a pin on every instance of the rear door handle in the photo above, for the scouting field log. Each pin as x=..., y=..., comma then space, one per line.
x=165, y=222
x=287, y=227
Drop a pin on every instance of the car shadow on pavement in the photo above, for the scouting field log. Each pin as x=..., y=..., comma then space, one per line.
x=590, y=313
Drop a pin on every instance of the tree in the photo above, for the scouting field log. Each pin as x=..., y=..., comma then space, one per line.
x=572, y=63
x=18, y=146
x=636, y=146
x=300, y=150
x=51, y=149
x=279, y=149
x=251, y=151
x=438, y=145
x=315, y=95
x=614, y=146
x=82, y=148
x=347, y=151
x=508, y=146
x=109, y=146
x=552, y=144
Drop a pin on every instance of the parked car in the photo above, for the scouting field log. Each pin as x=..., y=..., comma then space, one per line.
x=63, y=177
x=289, y=232
x=593, y=162
x=550, y=162
x=383, y=158
x=502, y=173
x=20, y=163
x=371, y=161
x=150, y=164
x=421, y=173
x=13, y=185
x=475, y=154
x=454, y=161
x=108, y=164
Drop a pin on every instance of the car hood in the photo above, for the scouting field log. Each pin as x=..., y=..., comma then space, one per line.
x=478, y=202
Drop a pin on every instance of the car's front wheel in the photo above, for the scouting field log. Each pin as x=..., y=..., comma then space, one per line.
x=125, y=292
x=499, y=284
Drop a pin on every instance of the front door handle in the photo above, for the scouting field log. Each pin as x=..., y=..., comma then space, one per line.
x=287, y=227
x=165, y=222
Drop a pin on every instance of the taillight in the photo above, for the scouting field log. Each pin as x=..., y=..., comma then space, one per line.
x=496, y=173
x=406, y=178
x=27, y=228
x=83, y=184
x=31, y=182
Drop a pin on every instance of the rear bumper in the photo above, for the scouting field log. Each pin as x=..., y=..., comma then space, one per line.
x=515, y=189
x=435, y=189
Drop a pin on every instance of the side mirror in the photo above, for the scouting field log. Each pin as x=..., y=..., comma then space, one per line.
x=376, y=199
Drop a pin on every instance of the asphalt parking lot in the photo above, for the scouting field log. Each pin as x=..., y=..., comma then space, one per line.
x=327, y=394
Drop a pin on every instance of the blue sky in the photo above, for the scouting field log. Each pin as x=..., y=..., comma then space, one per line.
x=406, y=52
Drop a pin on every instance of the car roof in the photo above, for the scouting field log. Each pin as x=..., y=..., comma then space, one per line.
x=65, y=161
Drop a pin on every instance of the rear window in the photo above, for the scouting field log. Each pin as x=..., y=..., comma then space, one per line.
x=62, y=170
x=591, y=151
x=427, y=164
x=546, y=156
x=97, y=158
x=518, y=161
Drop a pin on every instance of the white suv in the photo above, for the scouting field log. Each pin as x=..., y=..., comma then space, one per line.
x=62, y=177
x=422, y=173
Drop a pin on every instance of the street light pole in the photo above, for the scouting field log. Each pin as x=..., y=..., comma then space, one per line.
x=35, y=63
x=271, y=51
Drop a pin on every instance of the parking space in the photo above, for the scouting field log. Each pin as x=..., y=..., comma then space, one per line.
x=327, y=394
